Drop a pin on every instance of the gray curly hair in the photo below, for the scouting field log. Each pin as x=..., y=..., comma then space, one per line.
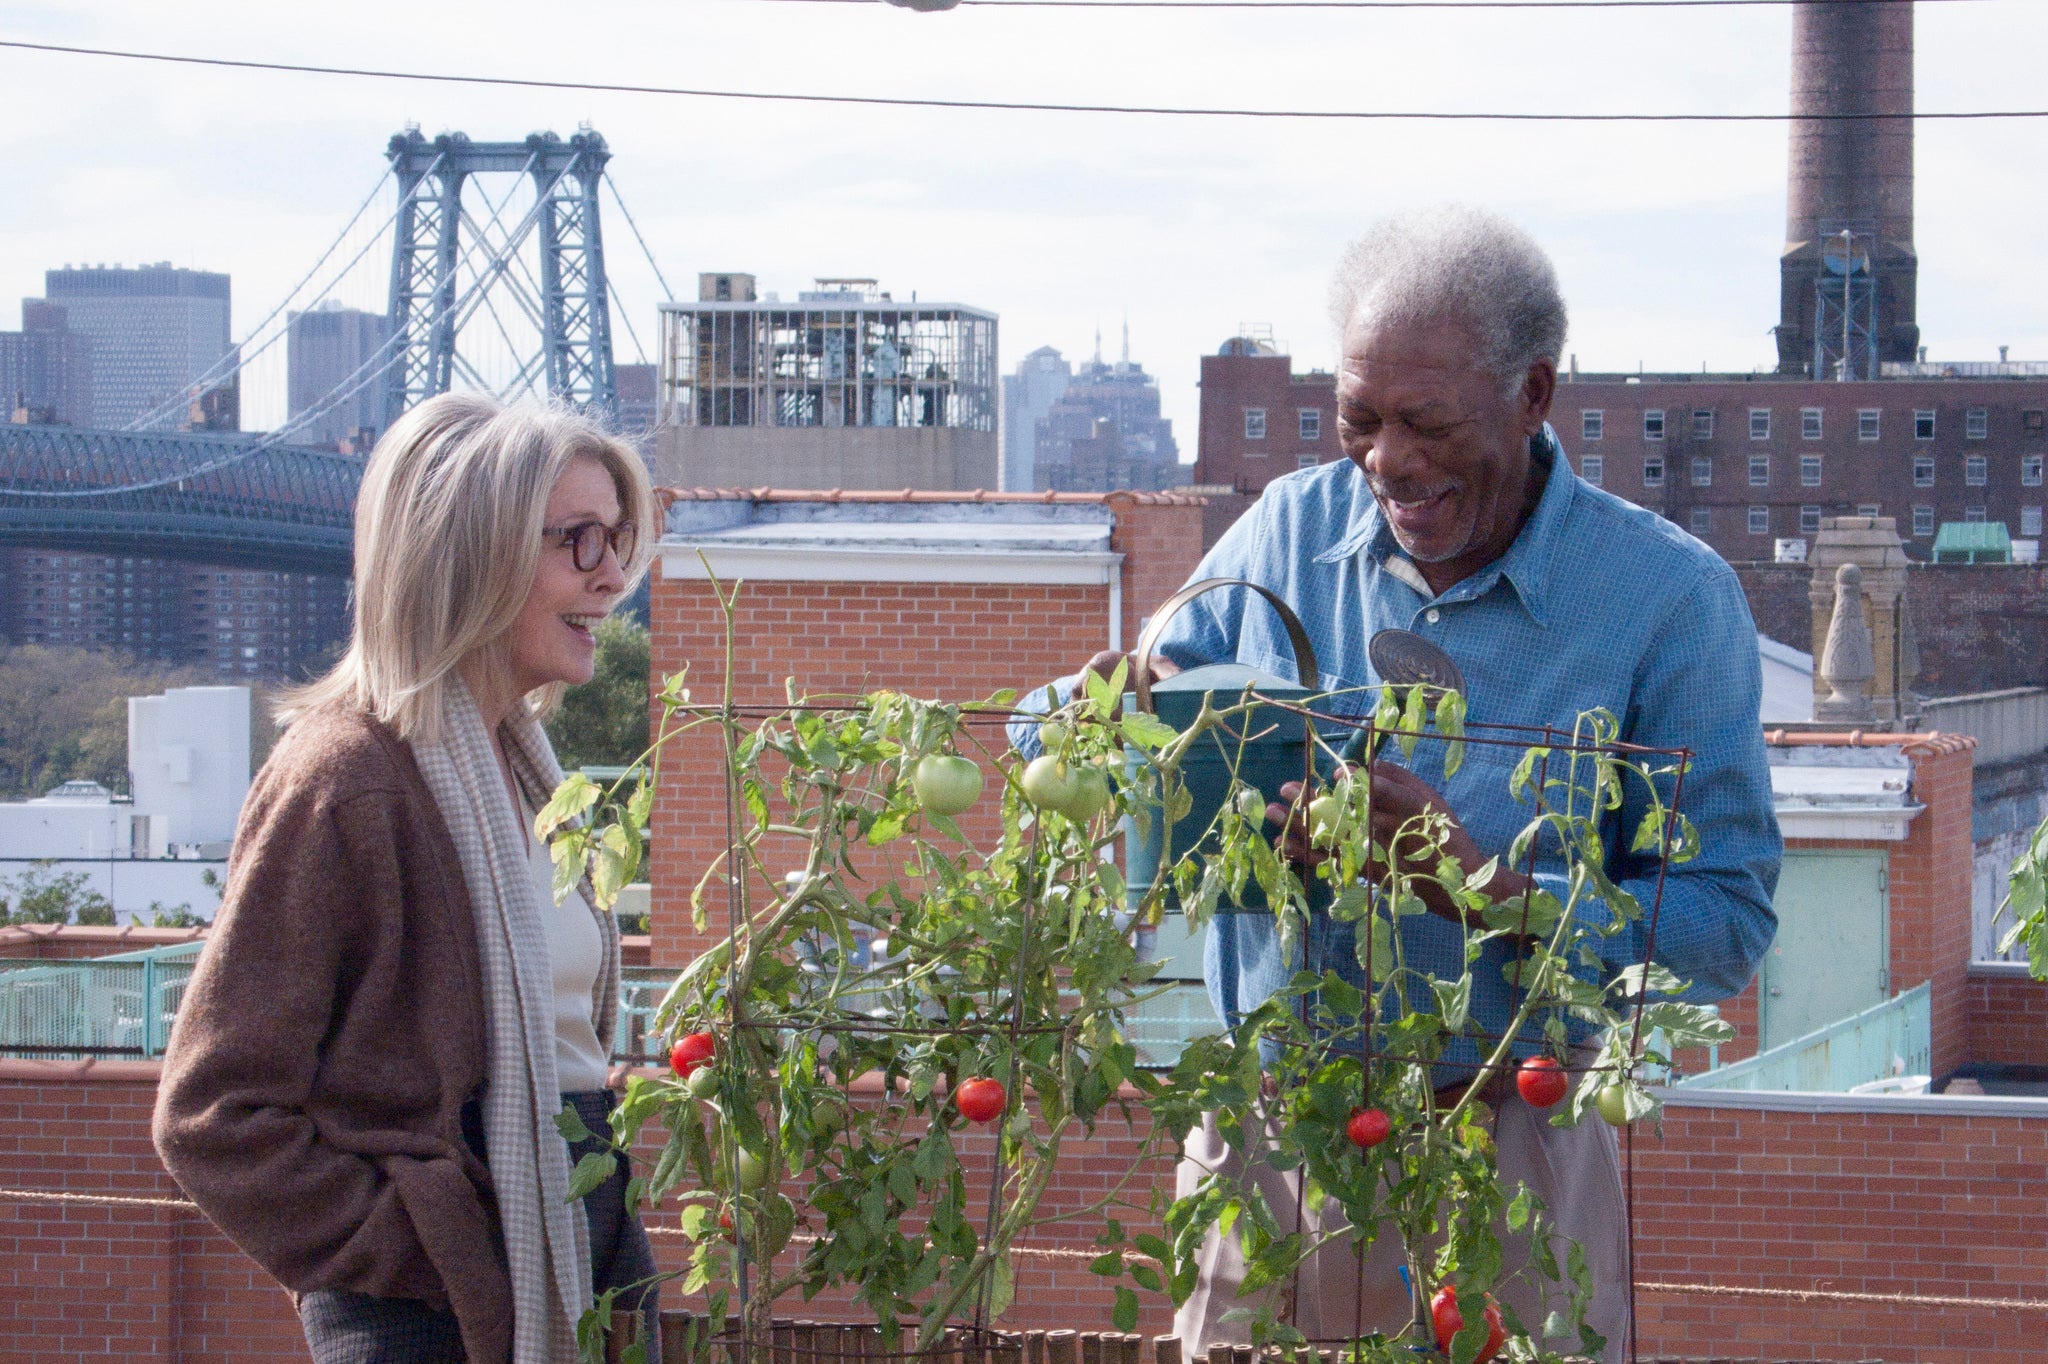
x=1462, y=262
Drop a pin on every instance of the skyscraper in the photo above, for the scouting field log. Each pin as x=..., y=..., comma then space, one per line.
x=45, y=369
x=1104, y=432
x=1028, y=395
x=155, y=331
x=328, y=349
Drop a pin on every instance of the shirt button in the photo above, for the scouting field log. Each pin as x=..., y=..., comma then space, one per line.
x=1434, y=615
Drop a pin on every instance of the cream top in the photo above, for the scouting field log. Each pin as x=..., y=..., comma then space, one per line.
x=576, y=951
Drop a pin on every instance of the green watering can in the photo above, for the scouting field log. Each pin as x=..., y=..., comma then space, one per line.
x=1277, y=749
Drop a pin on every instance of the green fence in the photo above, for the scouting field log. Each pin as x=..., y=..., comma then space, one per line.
x=1884, y=1042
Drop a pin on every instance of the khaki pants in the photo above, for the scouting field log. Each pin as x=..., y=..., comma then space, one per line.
x=1576, y=1171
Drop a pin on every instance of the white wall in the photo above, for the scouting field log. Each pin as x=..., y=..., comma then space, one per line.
x=188, y=763
x=54, y=828
x=132, y=884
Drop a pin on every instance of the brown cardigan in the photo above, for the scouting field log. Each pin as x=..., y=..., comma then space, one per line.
x=313, y=1087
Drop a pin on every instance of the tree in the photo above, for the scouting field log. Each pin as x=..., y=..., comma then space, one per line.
x=39, y=896
x=64, y=715
x=604, y=722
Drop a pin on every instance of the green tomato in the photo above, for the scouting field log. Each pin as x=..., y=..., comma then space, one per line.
x=946, y=784
x=703, y=1082
x=1055, y=735
x=751, y=1169
x=1325, y=819
x=1091, y=795
x=1612, y=1103
x=1050, y=784
x=1251, y=806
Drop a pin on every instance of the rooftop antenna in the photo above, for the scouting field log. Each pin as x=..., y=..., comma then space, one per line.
x=1098, y=343
x=1127, y=341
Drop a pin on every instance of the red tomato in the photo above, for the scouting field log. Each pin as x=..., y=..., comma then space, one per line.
x=981, y=1100
x=1443, y=1311
x=1541, y=1081
x=693, y=1050
x=1368, y=1127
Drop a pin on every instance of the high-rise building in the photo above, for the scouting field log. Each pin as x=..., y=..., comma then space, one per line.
x=235, y=621
x=844, y=388
x=155, y=332
x=1104, y=432
x=45, y=369
x=1028, y=395
x=637, y=389
x=331, y=349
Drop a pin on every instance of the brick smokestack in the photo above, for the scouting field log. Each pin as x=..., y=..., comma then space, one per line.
x=1850, y=58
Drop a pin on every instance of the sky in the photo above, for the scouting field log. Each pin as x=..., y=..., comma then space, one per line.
x=1665, y=236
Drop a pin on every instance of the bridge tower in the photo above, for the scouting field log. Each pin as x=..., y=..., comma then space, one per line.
x=434, y=238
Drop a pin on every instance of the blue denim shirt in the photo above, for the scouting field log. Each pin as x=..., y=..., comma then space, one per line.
x=1598, y=603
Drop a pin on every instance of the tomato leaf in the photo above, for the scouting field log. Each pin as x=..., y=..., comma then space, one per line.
x=591, y=1171
x=1124, y=1316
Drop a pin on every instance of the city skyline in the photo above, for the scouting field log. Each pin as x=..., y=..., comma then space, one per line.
x=1666, y=235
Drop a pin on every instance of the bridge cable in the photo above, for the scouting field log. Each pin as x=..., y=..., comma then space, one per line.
x=370, y=371
x=627, y=318
x=620, y=200
x=234, y=359
x=1029, y=106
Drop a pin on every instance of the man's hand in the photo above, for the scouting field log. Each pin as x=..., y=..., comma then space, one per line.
x=1398, y=796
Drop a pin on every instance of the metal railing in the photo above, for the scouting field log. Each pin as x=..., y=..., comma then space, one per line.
x=117, y=1007
x=1884, y=1043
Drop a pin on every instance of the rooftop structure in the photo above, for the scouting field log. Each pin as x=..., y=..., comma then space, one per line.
x=845, y=387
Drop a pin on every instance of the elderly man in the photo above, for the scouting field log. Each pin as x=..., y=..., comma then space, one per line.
x=1456, y=515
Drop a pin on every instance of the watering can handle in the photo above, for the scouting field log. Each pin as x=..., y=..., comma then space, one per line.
x=1304, y=652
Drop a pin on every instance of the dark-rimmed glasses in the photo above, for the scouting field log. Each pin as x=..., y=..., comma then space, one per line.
x=587, y=540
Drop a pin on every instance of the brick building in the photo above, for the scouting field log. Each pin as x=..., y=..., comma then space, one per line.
x=45, y=369
x=244, y=622
x=1741, y=461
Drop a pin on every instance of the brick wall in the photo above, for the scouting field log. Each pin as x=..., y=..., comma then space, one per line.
x=1929, y=1198
x=1981, y=627
x=2008, y=1018
x=1886, y=1201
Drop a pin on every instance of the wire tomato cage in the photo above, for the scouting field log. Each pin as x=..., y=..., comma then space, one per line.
x=1579, y=749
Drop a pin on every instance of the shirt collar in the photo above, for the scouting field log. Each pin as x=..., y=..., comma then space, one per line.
x=1526, y=565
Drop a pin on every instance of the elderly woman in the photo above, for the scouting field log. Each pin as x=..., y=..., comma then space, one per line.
x=393, y=1007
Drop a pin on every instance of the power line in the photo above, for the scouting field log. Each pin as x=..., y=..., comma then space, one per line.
x=1391, y=4
x=1015, y=106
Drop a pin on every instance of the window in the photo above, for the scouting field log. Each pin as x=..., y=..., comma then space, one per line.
x=1923, y=423
x=1974, y=515
x=1759, y=423
x=1809, y=423
x=1653, y=424
x=1976, y=423
x=1310, y=420
x=2030, y=471
x=1923, y=471
x=1703, y=423
x=1306, y=461
x=1869, y=509
x=1653, y=471
x=1702, y=521
x=2034, y=419
x=1593, y=469
x=2030, y=520
x=1255, y=423
x=1592, y=423
x=1866, y=423
x=1923, y=520
x=1809, y=471
x=1976, y=471
x=1759, y=471
x=1809, y=519
x=1702, y=471
x=1759, y=520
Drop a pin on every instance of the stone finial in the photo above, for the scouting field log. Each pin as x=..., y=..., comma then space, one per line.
x=1847, y=665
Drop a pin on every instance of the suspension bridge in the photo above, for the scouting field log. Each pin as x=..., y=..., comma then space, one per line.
x=497, y=283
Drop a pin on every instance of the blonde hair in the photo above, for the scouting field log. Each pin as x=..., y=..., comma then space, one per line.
x=447, y=543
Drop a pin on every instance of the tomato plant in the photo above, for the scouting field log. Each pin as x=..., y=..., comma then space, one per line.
x=691, y=1052
x=1007, y=956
